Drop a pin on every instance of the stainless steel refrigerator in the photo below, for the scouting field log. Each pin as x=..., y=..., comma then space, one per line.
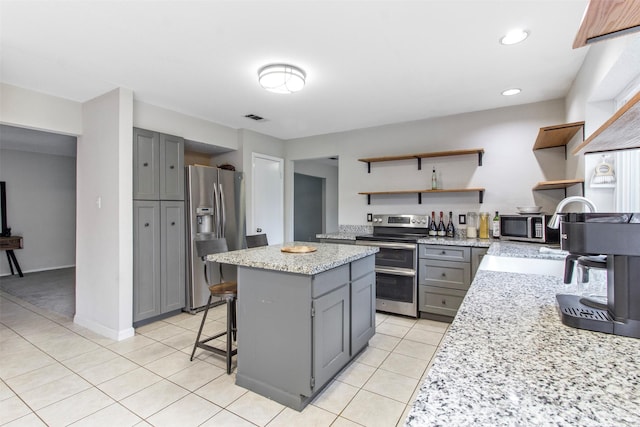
x=215, y=208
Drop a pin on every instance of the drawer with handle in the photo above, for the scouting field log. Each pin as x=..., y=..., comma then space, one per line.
x=445, y=253
x=447, y=274
x=432, y=299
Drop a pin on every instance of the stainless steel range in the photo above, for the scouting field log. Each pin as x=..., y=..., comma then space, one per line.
x=397, y=262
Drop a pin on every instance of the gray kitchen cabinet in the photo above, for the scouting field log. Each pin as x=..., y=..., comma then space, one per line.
x=363, y=303
x=158, y=258
x=476, y=258
x=158, y=166
x=444, y=276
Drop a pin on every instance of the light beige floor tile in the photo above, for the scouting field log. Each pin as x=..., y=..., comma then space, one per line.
x=398, y=331
x=12, y=409
x=54, y=391
x=402, y=321
x=311, y=416
x=5, y=391
x=191, y=410
x=111, y=416
x=255, y=408
x=372, y=356
x=154, y=398
x=424, y=336
x=143, y=330
x=108, y=370
x=182, y=340
x=196, y=375
x=38, y=377
x=179, y=318
x=222, y=391
x=75, y=407
x=191, y=323
x=129, y=383
x=416, y=349
x=170, y=364
x=356, y=374
x=23, y=361
x=51, y=332
x=136, y=342
x=67, y=346
x=380, y=317
x=432, y=325
x=150, y=353
x=405, y=365
x=373, y=410
x=343, y=422
x=90, y=360
x=384, y=342
x=392, y=385
x=227, y=419
x=164, y=332
x=335, y=397
x=30, y=420
x=404, y=415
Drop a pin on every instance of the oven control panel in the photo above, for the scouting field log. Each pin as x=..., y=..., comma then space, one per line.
x=396, y=220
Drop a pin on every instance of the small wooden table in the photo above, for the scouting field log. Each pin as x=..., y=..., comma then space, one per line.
x=9, y=244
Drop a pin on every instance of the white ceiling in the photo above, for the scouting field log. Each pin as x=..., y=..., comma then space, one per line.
x=368, y=63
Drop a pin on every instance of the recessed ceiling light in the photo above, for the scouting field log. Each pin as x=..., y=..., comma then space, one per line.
x=514, y=36
x=511, y=92
x=281, y=78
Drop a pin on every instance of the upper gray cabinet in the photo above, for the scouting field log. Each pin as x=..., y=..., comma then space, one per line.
x=158, y=166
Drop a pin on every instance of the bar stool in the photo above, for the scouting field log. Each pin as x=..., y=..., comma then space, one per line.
x=225, y=290
x=257, y=240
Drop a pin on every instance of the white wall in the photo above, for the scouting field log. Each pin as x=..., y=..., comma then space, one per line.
x=104, y=269
x=41, y=207
x=510, y=167
x=330, y=174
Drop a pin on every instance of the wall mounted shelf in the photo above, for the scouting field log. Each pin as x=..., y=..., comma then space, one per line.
x=557, y=136
x=420, y=156
x=559, y=184
x=480, y=192
x=606, y=18
x=620, y=132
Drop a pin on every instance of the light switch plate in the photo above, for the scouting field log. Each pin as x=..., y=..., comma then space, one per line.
x=369, y=217
x=462, y=219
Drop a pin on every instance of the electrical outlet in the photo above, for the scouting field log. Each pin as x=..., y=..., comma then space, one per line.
x=369, y=217
x=462, y=219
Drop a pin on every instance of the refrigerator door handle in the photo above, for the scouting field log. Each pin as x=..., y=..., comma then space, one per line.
x=216, y=221
x=223, y=215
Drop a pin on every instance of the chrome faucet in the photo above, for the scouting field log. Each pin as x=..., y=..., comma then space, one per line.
x=554, y=222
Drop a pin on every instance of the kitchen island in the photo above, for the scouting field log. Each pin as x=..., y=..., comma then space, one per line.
x=301, y=316
x=508, y=360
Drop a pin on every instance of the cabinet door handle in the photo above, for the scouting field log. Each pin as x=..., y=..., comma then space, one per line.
x=443, y=253
x=173, y=223
x=146, y=224
x=171, y=167
x=444, y=302
x=145, y=164
x=444, y=275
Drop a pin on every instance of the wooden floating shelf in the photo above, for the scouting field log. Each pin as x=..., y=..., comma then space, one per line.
x=557, y=136
x=420, y=156
x=620, y=132
x=558, y=184
x=480, y=192
x=607, y=18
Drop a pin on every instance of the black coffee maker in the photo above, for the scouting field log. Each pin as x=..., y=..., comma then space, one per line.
x=617, y=236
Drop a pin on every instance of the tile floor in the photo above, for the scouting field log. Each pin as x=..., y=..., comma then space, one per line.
x=56, y=373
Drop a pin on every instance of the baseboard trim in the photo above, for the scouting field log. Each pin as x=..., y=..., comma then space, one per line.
x=36, y=270
x=103, y=330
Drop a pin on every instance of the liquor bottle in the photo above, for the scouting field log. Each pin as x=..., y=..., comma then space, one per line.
x=433, y=229
x=434, y=179
x=451, y=230
x=495, y=229
x=442, y=232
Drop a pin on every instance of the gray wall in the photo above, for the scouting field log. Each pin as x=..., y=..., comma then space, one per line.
x=41, y=202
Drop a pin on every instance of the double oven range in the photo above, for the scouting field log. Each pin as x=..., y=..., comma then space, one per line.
x=397, y=262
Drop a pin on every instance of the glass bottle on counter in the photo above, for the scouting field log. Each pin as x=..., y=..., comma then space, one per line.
x=442, y=231
x=434, y=179
x=495, y=230
x=472, y=223
x=451, y=231
x=483, y=227
x=433, y=229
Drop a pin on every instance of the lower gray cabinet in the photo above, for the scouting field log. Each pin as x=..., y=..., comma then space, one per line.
x=158, y=258
x=363, y=303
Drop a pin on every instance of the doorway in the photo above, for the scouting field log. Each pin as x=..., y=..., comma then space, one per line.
x=308, y=207
x=267, y=197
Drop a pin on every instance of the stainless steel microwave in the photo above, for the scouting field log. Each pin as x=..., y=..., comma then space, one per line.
x=528, y=228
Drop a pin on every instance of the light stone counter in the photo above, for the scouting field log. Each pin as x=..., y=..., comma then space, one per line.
x=327, y=256
x=477, y=243
x=507, y=360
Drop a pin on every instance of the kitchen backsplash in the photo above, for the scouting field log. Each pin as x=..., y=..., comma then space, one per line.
x=359, y=229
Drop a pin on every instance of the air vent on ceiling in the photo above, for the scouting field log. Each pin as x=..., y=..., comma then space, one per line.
x=254, y=117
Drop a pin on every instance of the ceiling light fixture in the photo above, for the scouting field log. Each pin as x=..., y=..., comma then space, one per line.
x=514, y=36
x=281, y=78
x=511, y=92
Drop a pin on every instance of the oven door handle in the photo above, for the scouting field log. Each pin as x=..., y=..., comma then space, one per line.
x=389, y=245
x=396, y=271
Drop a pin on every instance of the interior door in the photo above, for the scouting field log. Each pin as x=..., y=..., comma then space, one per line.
x=308, y=207
x=267, y=190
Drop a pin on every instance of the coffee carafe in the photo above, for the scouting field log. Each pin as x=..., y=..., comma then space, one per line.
x=591, y=278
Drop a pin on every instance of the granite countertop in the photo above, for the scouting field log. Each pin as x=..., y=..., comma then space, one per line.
x=526, y=250
x=327, y=256
x=507, y=359
x=339, y=236
x=478, y=243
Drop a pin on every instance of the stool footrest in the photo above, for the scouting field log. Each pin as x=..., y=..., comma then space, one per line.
x=216, y=350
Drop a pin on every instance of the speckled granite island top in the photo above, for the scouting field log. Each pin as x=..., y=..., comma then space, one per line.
x=507, y=360
x=327, y=256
